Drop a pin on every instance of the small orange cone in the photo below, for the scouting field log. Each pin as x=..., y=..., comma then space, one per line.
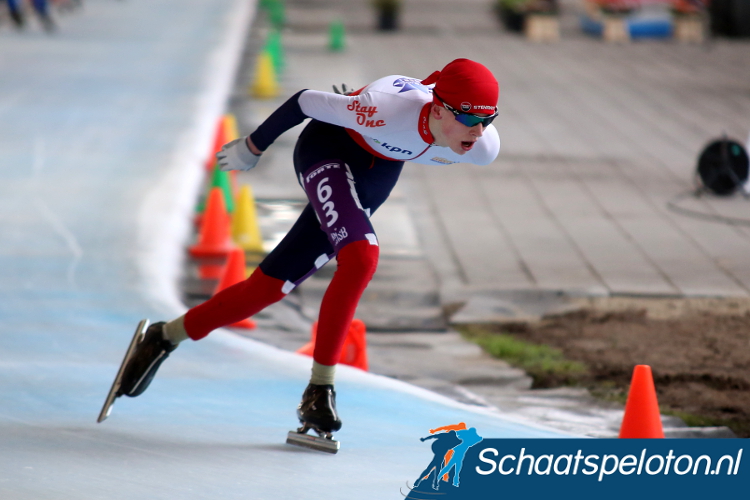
x=354, y=352
x=642, y=419
x=215, y=240
x=234, y=273
x=220, y=138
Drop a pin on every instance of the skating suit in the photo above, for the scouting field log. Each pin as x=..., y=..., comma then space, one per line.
x=347, y=160
x=373, y=131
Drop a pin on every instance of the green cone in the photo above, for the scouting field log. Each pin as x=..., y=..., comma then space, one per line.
x=336, y=38
x=276, y=50
x=221, y=180
x=277, y=13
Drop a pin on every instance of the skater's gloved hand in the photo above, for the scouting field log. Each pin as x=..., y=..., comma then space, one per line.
x=236, y=155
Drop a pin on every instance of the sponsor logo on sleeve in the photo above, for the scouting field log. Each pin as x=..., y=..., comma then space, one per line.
x=407, y=84
x=365, y=115
x=444, y=161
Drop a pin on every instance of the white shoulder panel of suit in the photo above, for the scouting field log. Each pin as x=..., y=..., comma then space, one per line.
x=386, y=114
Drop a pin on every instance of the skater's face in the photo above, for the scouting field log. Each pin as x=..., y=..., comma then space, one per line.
x=449, y=132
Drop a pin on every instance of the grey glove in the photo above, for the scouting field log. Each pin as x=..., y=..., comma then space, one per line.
x=236, y=155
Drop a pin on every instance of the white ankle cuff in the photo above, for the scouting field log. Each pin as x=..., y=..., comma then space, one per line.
x=322, y=374
x=174, y=330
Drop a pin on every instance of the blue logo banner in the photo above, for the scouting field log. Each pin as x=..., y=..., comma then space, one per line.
x=466, y=466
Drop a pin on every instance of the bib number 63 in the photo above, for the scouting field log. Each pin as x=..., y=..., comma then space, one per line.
x=324, y=193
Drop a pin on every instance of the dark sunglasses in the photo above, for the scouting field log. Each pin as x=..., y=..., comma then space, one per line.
x=467, y=119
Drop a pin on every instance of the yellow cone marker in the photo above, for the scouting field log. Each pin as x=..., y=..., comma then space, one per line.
x=264, y=86
x=230, y=127
x=245, y=229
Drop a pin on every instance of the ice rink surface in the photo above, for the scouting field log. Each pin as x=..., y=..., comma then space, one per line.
x=103, y=130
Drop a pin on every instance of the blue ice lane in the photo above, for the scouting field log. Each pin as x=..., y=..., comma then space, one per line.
x=214, y=423
x=89, y=121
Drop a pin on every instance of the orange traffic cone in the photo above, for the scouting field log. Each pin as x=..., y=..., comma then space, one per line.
x=220, y=138
x=215, y=240
x=234, y=272
x=354, y=352
x=642, y=418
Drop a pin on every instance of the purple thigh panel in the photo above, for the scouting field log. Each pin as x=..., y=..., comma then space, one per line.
x=330, y=188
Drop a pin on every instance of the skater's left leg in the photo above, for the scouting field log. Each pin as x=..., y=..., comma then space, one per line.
x=331, y=189
x=345, y=185
x=42, y=10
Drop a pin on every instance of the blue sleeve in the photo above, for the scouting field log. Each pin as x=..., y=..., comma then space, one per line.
x=286, y=116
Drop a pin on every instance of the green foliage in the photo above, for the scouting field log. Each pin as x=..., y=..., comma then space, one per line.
x=386, y=4
x=526, y=6
x=546, y=365
x=514, y=4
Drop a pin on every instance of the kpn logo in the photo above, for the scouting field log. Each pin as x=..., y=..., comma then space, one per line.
x=442, y=476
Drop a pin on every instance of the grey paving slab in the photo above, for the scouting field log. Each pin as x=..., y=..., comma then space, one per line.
x=555, y=263
x=617, y=259
x=690, y=269
x=472, y=230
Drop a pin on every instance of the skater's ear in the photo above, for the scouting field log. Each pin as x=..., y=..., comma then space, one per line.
x=437, y=111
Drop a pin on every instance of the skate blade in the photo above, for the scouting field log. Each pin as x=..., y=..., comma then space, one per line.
x=140, y=331
x=313, y=442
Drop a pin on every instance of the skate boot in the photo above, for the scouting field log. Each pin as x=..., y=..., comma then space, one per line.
x=145, y=361
x=317, y=411
x=145, y=353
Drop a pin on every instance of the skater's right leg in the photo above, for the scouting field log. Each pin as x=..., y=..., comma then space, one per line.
x=226, y=307
x=149, y=354
x=233, y=304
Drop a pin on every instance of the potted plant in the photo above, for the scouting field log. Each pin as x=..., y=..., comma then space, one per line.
x=542, y=23
x=614, y=12
x=387, y=14
x=538, y=19
x=512, y=14
x=689, y=20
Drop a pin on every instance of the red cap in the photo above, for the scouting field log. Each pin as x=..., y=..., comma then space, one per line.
x=466, y=86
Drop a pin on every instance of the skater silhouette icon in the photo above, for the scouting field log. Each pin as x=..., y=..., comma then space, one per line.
x=451, y=442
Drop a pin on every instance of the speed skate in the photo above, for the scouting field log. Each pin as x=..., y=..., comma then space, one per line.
x=317, y=411
x=322, y=442
x=114, y=391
